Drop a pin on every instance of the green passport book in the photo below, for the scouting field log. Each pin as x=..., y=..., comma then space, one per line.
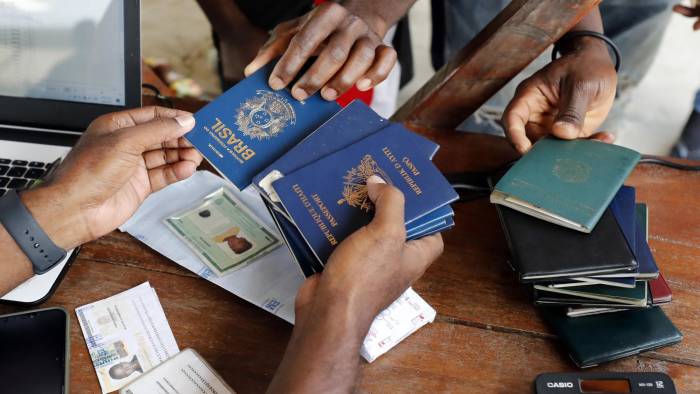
x=634, y=297
x=569, y=183
x=592, y=340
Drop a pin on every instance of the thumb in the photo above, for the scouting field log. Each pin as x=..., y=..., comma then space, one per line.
x=388, y=204
x=158, y=131
x=573, y=105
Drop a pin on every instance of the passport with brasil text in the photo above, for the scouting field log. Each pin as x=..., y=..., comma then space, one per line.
x=327, y=200
x=250, y=126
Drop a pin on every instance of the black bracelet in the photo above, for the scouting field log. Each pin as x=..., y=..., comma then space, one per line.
x=28, y=235
x=588, y=33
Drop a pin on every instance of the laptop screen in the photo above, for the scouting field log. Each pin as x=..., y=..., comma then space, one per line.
x=68, y=50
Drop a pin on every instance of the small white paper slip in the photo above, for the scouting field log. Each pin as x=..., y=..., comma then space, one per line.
x=402, y=318
x=184, y=373
x=126, y=335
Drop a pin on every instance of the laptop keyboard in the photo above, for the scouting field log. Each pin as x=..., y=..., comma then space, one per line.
x=18, y=174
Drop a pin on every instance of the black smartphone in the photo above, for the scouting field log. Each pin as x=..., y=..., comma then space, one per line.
x=34, y=351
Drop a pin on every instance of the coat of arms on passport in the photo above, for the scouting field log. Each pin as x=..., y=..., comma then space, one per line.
x=355, y=184
x=265, y=115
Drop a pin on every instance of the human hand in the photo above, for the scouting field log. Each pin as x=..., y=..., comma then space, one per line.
x=238, y=49
x=371, y=268
x=116, y=164
x=349, y=47
x=569, y=99
x=690, y=12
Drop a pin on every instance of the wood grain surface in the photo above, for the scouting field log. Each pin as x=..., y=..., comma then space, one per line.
x=487, y=337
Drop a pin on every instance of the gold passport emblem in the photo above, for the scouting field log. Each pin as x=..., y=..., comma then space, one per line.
x=265, y=115
x=355, y=184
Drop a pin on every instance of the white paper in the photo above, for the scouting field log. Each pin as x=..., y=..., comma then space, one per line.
x=401, y=319
x=271, y=282
x=126, y=335
x=184, y=373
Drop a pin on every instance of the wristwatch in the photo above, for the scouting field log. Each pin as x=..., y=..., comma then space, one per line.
x=27, y=233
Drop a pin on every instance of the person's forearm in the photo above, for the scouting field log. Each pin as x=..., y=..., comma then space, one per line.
x=592, y=22
x=595, y=46
x=380, y=15
x=59, y=221
x=226, y=17
x=15, y=267
x=323, y=354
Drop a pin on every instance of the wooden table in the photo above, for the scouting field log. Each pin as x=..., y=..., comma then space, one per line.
x=487, y=337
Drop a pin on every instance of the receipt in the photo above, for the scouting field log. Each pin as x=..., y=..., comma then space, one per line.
x=402, y=318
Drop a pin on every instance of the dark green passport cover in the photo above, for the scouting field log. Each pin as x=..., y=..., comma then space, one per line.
x=596, y=339
x=569, y=183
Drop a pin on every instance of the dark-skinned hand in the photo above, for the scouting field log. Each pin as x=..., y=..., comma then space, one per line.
x=349, y=47
x=372, y=267
x=569, y=98
x=121, y=159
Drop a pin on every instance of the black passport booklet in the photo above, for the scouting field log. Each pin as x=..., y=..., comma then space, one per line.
x=543, y=251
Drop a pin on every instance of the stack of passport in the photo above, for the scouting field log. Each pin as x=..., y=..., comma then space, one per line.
x=310, y=160
x=578, y=237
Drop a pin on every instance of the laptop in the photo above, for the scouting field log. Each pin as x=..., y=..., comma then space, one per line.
x=62, y=64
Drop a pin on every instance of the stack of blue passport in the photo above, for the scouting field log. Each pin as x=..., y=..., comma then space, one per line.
x=310, y=161
x=586, y=256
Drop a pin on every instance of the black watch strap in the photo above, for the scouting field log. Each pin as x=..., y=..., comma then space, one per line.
x=27, y=233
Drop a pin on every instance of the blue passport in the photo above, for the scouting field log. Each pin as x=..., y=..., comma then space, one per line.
x=429, y=220
x=433, y=228
x=350, y=125
x=647, y=268
x=250, y=126
x=623, y=208
x=304, y=257
x=327, y=200
x=647, y=265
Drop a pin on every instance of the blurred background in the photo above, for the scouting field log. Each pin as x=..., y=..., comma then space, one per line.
x=176, y=31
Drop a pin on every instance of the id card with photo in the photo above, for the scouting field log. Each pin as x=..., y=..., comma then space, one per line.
x=223, y=232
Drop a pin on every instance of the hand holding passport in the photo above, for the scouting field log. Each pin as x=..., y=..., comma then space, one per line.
x=311, y=162
x=374, y=265
x=577, y=235
x=346, y=188
x=573, y=230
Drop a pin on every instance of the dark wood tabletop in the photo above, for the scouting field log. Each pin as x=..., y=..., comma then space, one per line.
x=487, y=337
